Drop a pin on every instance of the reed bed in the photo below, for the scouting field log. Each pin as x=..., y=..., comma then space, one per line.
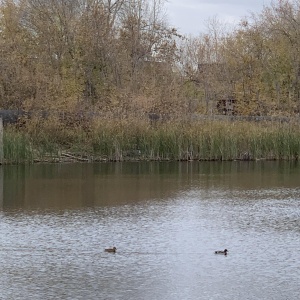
x=110, y=140
x=17, y=147
x=197, y=141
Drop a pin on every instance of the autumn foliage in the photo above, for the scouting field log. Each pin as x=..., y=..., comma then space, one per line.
x=120, y=59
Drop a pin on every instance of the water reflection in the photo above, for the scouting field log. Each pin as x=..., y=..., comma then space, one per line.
x=166, y=220
x=89, y=185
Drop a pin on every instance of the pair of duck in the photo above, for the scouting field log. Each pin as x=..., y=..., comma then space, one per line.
x=113, y=250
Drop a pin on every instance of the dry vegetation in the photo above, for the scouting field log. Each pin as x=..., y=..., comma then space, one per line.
x=133, y=139
x=91, y=71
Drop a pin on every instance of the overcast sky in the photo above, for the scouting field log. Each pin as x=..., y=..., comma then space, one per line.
x=190, y=16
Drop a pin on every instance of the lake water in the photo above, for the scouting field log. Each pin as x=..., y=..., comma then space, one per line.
x=166, y=220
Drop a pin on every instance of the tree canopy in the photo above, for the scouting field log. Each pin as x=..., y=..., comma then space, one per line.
x=121, y=58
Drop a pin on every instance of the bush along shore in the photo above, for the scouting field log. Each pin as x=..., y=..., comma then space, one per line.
x=135, y=140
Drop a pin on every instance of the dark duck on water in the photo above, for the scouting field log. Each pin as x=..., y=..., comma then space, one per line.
x=112, y=250
x=224, y=252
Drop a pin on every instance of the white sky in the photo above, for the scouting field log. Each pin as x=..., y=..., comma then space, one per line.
x=190, y=16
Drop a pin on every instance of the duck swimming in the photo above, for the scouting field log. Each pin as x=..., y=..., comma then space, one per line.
x=222, y=252
x=111, y=250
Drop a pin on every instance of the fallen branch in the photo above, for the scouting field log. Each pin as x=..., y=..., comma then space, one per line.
x=68, y=155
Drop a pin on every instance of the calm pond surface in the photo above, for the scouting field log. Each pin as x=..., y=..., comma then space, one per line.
x=166, y=220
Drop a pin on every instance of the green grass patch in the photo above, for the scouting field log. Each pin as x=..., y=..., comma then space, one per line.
x=17, y=147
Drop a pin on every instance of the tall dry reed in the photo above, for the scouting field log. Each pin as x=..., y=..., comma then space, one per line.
x=217, y=140
x=118, y=140
x=17, y=147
